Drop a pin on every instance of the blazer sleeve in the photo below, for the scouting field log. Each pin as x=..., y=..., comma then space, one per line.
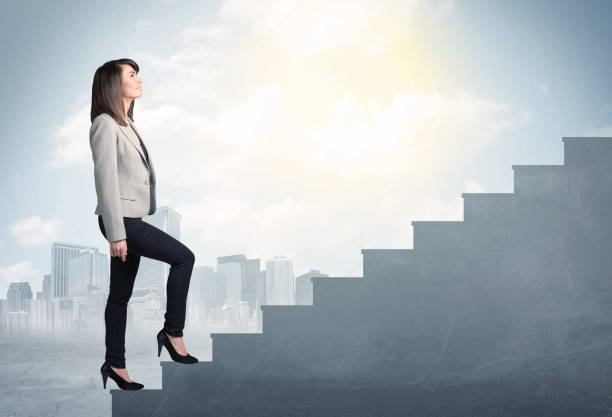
x=103, y=142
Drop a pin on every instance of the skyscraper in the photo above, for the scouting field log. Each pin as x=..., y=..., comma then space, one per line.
x=212, y=285
x=303, y=287
x=16, y=296
x=233, y=271
x=245, y=288
x=280, y=283
x=250, y=283
x=88, y=268
x=47, y=289
x=61, y=253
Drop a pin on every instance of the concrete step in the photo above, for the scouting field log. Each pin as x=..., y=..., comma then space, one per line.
x=327, y=291
x=376, y=261
x=433, y=235
x=234, y=347
x=144, y=402
x=172, y=370
x=487, y=206
x=587, y=151
x=544, y=180
x=285, y=318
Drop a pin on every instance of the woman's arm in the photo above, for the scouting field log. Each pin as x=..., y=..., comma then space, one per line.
x=103, y=142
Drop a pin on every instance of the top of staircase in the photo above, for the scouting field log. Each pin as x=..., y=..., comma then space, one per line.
x=386, y=251
x=485, y=194
x=601, y=139
x=535, y=167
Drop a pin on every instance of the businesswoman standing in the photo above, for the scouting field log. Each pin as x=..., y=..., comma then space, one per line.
x=125, y=189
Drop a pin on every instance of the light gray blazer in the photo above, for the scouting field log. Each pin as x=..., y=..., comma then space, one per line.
x=125, y=182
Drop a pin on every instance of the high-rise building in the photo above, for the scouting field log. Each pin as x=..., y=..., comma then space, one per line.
x=61, y=253
x=245, y=288
x=47, y=288
x=261, y=288
x=211, y=286
x=280, y=282
x=91, y=267
x=16, y=296
x=303, y=287
x=250, y=282
x=215, y=293
x=261, y=299
x=232, y=267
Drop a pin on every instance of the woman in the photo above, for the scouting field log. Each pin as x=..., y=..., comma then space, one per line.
x=125, y=188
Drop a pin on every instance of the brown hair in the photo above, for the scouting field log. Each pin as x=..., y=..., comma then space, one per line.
x=106, y=91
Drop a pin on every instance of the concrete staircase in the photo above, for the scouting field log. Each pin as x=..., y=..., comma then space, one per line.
x=511, y=306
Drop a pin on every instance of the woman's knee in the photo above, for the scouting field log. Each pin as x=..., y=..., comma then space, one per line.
x=189, y=257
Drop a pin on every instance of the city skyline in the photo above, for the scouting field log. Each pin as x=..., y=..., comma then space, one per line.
x=73, y=295
x=37, y=286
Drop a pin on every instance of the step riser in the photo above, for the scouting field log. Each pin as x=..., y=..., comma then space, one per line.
x=437, y=235
x=587, y=152
x=387, y=260
x=539, y=180
x=286, y=320
x=487, y=207
x=171, y=370
x=234, y=347
x=327, y=291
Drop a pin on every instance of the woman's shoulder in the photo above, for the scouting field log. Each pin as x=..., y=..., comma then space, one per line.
x=104, y=118
x=102, y=124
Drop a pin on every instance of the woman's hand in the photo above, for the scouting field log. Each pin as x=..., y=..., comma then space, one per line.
x=119, y=248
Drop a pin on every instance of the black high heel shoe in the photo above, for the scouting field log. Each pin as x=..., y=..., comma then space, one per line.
x=107, y=371
x=162, y=339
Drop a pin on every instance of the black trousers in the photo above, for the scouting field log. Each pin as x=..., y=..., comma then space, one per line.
x=144, y=239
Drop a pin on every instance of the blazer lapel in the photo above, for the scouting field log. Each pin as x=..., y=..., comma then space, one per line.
x=124, y=130
x=149, y=163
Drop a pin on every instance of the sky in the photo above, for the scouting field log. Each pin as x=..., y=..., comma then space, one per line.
x=310, y=130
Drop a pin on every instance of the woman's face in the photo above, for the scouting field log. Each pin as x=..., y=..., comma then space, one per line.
x=130, y=83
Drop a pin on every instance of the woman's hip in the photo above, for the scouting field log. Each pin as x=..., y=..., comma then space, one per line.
x=149, y=241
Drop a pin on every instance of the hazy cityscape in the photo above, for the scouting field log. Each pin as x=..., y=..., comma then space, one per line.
x=224, y=297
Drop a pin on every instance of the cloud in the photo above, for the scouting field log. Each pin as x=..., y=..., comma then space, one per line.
x=70, y=141
x=418, y=132
x=20, y=272
x=312, y=194
x=473, y=187
x=270, y=137
x=34, y=231
x=304, y=28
